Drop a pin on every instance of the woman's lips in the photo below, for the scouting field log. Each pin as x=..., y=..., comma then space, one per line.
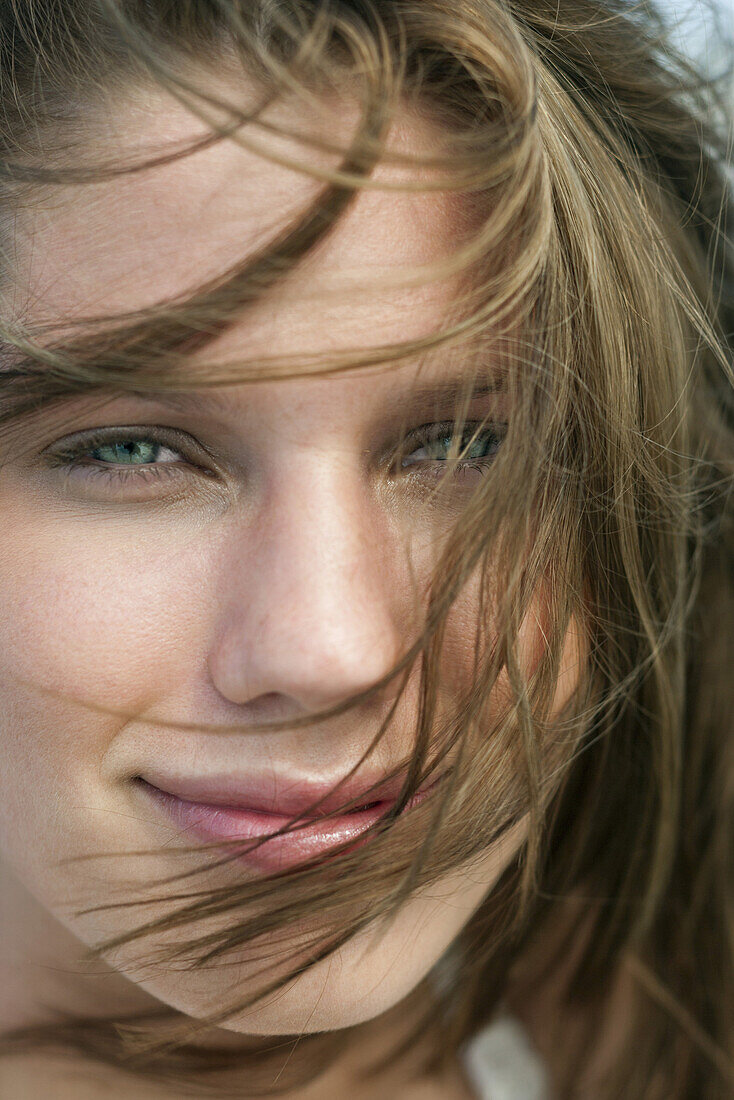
x=215, y=822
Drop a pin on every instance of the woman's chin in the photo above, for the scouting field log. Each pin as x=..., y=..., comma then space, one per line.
x=321, y=1000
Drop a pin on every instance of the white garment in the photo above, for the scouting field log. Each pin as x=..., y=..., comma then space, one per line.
x=501, y=1064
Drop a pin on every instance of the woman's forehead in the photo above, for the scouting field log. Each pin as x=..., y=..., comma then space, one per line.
x=132, y=241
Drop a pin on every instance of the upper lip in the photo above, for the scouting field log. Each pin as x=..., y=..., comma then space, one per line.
x=279, y=795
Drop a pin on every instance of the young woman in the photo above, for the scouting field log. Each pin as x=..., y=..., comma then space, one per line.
x=366, y=564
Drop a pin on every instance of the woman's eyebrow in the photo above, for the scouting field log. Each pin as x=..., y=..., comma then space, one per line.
x=446, y=392
x=464, y=383
x=456, y=389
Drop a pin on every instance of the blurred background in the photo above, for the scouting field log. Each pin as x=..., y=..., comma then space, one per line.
x=702, y=28
x=705, y=30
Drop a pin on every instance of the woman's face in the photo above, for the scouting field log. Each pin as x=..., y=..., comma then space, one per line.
x=262, y=567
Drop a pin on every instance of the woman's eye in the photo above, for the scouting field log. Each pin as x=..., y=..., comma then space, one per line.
x=120, y=457
x=469, y=446
x=144, y=459
x=134, y=452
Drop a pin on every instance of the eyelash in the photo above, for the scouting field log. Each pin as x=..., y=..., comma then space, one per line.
x=71, y=457
x=471, y=432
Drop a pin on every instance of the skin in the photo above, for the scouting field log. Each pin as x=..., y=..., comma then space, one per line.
x=273, y=591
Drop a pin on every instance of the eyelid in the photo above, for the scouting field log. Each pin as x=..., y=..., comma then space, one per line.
x=456, y=425
x=73, y=446
x=69, y=450
x=435, y=429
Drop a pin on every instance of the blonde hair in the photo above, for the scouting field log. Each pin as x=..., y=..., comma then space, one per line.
x=601, y=278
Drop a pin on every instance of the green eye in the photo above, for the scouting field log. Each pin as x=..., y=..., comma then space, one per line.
x=441, y=442
x=132, y=452
x=117, y=449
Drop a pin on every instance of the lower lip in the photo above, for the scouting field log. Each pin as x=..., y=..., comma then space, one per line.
x=213, y=823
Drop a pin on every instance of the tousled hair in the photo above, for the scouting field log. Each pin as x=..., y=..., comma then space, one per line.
x=600, y=278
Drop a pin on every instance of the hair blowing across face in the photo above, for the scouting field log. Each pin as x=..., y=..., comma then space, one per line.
x=603, y=271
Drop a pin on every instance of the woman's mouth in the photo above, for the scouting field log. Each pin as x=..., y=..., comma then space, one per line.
x=214, y=822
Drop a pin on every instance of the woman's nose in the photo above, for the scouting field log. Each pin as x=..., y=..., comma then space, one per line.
x=311, y=598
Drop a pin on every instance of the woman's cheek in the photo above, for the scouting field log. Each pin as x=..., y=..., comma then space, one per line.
x=464, y=640
x=99, y=610
x=98, y=620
